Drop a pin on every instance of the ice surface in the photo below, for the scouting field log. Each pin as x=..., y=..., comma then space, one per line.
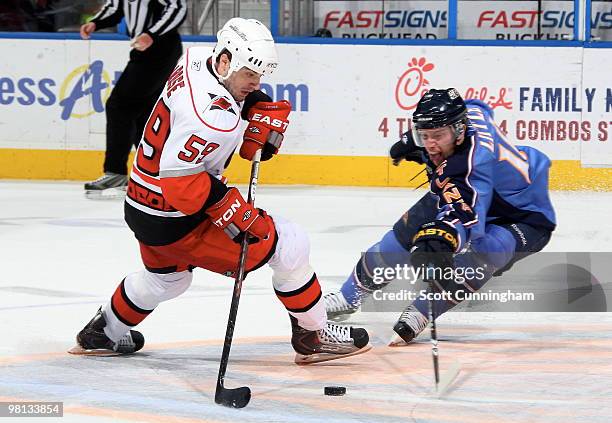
x=63, y=255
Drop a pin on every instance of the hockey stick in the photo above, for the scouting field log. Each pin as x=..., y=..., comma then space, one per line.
x=432, y=331
x=236, y=397
x=442, y=383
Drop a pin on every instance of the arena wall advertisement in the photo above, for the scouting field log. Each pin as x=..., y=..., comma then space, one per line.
x=349, y=106
x=480, y=20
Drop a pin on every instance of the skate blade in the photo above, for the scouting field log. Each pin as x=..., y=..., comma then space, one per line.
x=397, y=341
x=106, y=194
x=302, y=359
x=78, y=350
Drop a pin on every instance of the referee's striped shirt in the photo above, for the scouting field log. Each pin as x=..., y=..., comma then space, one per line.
x=154, y=17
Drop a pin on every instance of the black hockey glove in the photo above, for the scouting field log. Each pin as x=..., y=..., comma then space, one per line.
x=434, y=245
x=406, y=149
x=250, y=100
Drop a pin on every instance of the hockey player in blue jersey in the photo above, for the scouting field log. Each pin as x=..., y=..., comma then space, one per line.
x=488, y=206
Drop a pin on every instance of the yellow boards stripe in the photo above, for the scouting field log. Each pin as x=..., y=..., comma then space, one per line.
x=283, y=169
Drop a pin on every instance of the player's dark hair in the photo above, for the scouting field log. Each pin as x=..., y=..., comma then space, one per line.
x=226, y=52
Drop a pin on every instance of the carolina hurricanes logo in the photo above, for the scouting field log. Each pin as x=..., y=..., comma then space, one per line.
x=412, y=84
x=247, y=216
x=254, y=130
x=220, y=103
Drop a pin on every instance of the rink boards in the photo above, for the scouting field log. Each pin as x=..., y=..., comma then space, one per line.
x=350, y=104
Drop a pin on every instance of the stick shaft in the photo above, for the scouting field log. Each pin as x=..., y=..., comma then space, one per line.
x=433, y=334
x=244, y=247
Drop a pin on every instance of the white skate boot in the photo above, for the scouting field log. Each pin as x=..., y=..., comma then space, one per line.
x=338, y=309
x=409, y=325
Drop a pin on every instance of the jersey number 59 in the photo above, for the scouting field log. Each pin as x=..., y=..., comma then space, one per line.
x=156, y=133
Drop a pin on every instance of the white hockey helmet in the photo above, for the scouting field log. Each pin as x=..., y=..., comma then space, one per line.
x=251, y=45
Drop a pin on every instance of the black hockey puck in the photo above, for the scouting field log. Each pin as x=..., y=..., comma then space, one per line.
x=335, y=391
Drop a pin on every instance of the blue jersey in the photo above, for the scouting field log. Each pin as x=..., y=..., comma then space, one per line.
x=489, y=180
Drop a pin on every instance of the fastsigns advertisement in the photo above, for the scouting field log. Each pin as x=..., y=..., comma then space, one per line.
x=522, y=20
x=516, y=20
x=377, y=19
x=479, y=20
x=601, y=20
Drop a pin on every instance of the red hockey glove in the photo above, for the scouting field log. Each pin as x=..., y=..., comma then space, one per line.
x=236, y=217
x=267, y=123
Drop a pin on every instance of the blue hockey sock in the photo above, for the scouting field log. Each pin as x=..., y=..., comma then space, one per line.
x=382, y=254
x=351, y=291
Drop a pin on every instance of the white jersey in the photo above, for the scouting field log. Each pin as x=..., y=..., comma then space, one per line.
x=206, y=123
x=195, y=127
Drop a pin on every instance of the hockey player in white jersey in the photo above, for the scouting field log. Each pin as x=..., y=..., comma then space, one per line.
x=184, y=215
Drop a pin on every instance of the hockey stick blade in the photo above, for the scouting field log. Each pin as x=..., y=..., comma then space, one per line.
x=233, y=397
x=447, y=378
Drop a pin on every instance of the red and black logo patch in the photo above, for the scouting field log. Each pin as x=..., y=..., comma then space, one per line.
x=221, y=103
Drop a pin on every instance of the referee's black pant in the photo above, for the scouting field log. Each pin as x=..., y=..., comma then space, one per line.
x=134, y=96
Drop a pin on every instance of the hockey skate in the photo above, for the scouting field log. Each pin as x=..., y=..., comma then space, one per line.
x=109, y=186
x=410, y=324
x=93, y=341
x=330, y=343
x=338, y=309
